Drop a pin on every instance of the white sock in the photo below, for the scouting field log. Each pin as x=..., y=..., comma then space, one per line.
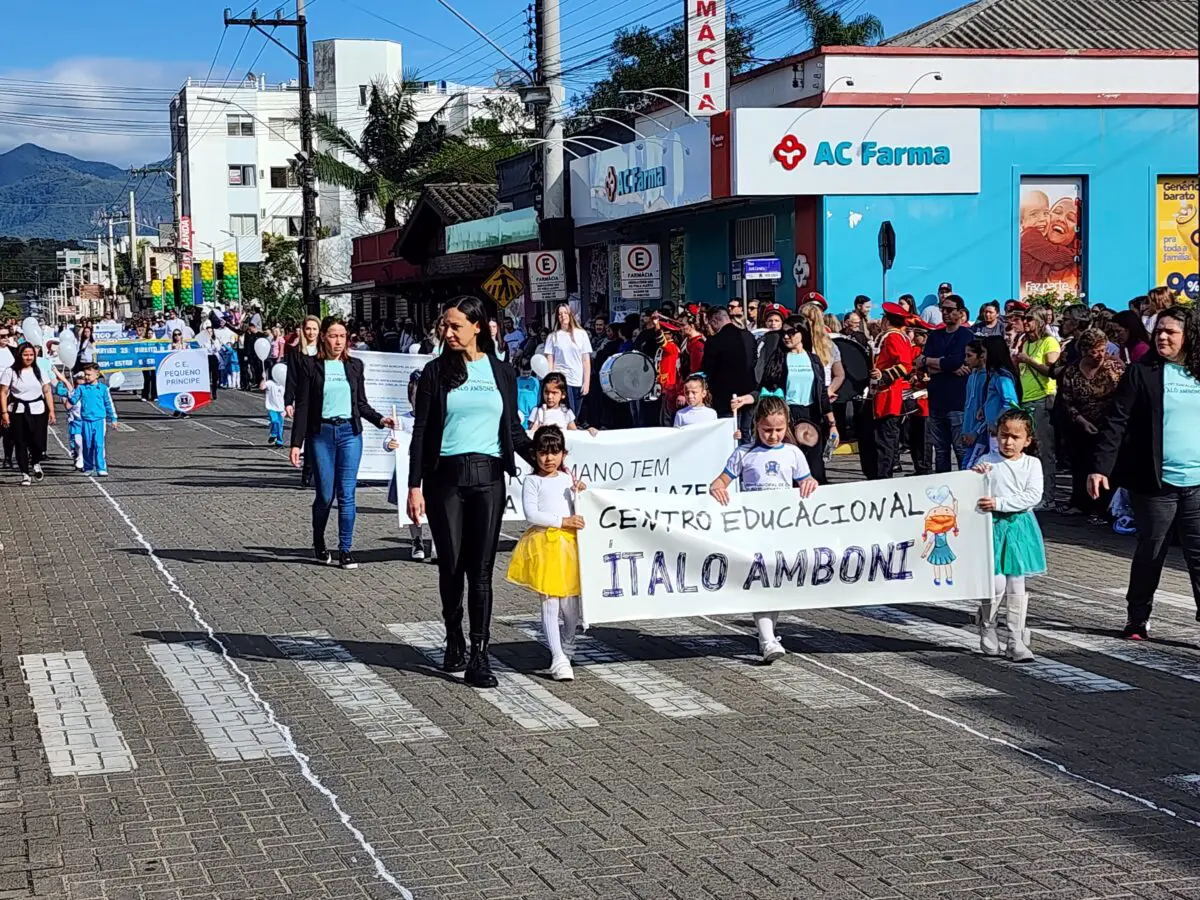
x=766, y=626
x=550, y=607
x=572, y=613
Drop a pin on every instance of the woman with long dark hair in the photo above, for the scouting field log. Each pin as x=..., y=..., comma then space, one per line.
x=307, y=336
x=87, y=348
x=28, y=406
x=331, y=402
x=1129, y=333
x=464, y=438
x=569, y=350
x=1147, y=444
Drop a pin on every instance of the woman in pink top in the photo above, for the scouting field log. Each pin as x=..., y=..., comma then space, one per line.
x=1130, y=335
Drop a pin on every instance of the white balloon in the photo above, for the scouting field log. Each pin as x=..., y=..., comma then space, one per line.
x=116, y=380
x=540, y=365
x=279, y=373
x=262, y=348
x=32, y=331
x=68, y=349
x=415, y=349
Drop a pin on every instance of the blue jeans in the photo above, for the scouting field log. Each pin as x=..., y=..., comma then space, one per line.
x=336, y=452
x=575, y=399
x=943, y=431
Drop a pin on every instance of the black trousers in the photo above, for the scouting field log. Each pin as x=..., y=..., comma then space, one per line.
x=6, y=438
x=1081, y=446
x=915, y=428
x=149, y=386
x=214, y=374
x=1159, y=516
x=465, y=523
x=887, y=445
x=29, y=438
x=864, y=434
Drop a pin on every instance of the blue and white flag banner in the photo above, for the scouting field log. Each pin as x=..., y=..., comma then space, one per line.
x=183, y=381
x=902, y=540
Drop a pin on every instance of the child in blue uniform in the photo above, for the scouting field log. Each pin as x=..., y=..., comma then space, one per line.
x=95, y=410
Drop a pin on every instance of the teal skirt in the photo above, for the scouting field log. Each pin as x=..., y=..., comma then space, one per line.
x=1017, y=544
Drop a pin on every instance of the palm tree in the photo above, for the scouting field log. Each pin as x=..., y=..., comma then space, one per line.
x=829, y=29
x=396, y=155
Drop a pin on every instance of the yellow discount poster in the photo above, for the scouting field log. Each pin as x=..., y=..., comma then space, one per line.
x=1177, y=235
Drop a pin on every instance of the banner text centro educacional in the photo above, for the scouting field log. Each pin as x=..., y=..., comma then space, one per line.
x=905, y=540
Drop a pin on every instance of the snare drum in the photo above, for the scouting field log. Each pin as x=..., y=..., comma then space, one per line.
x=626, y=377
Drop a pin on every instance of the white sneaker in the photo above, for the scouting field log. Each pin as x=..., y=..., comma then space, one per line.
x=989, y=641
x=79, y=464
x=103, y=473
x=560, y=669
x=38, y=474
x=26, y=481
x=418, y=549
x=772, y=651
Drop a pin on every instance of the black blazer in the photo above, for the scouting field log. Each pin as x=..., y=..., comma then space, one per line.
x=820, y=387
x=729, y=359
x=310, y=395
x=1132, y=436
x=430, y=421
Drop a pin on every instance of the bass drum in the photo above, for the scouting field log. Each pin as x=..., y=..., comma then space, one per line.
x=628, y=376
x=856, y=362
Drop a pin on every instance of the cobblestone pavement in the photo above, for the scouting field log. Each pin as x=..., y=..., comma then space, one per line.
x=309, y=748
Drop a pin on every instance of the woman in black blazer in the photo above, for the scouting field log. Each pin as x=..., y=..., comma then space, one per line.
x=331, y=402
x=1147, y=445
x=466, y=431
x=305, y=346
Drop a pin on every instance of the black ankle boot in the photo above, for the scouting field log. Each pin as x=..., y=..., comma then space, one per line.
x=479, y=668
x=455, y=657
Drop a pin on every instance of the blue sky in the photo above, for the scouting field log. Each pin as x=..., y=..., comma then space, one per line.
x=117, y=64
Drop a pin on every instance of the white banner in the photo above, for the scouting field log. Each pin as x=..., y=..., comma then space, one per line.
x=668, y=461
x=386, y=378
x=905, y=540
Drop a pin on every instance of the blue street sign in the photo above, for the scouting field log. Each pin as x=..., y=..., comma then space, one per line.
x=762, y=269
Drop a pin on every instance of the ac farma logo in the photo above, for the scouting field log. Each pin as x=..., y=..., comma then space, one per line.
x=790, y=152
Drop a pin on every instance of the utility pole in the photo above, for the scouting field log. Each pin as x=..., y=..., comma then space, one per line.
x=133, y=266
x=304, y=159
x=112, y=264
x=177, y=195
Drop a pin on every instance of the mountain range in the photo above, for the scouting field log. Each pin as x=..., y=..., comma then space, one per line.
x=54, y=195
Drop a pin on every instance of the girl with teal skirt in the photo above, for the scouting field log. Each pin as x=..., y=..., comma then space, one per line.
x=1014, y=488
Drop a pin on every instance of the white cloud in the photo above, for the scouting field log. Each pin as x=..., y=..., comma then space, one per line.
x=110, y=109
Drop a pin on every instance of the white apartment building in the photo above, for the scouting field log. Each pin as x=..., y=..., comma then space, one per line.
x=237, y=142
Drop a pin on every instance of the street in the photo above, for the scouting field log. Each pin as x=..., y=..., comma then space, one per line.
x=192, y=709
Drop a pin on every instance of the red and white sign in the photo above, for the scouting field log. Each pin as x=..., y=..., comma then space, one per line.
x=185, y=232
x=707, y=73
x=641, y=272
x=547, y=276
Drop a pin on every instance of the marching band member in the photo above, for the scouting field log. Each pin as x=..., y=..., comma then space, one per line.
x=891, y=380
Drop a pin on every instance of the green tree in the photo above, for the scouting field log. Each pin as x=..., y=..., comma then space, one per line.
x=642, y=59
x=275, y=281
x=395, y=157
x=11, y=310
x=829, y=29
x=497, y=134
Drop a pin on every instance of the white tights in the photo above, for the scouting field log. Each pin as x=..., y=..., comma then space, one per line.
x=572, y=613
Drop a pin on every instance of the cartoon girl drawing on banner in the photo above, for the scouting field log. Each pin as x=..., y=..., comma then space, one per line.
x=941, y=519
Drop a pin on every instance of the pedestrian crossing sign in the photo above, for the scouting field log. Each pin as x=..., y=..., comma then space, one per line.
x=503, y=286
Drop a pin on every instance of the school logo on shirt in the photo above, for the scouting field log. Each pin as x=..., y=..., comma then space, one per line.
x=772, y=468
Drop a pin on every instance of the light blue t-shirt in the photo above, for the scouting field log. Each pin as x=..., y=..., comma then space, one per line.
x=800, y=380
x=336, y=401
x=473, y=412
x=1181, y=411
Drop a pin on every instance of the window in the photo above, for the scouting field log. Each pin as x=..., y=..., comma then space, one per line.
x=287, y=226
x=241, y=176
x=754, y=237
x=239, y=126
x=284, y=177
x=243, y=226
x=364, y=94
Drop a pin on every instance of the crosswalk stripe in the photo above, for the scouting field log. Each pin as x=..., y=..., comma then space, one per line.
x=847, y=650
x=121, y=426
x=230, y=423
x=519, y=697
x=368, y=701
x=1116, y=648
x=157, y=426
x=218, y=703
x=78, y=731
x=1048, y=670
x=259, y=421
x=791, y=681
x=1188, y=783
x=665, y=695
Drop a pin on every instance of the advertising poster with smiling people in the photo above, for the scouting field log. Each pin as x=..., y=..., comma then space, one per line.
x=1048, y=227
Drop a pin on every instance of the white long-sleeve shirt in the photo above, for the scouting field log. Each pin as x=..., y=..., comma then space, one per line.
x=1016, y=484
x=548, y=500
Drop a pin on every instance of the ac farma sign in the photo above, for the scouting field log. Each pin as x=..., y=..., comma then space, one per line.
x=707, y=71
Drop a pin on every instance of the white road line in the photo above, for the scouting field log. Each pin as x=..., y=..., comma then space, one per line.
x=77, y=729
x=1166, y=598
x=791, y=681
x=519, y=697
x=990, y=738
x=223, y=711
x=841, y=648
x=263, y=422
x=229, y=423
x=665, y=695
x=121, y=426
x=302, y=760
x=157, y=426
x=1123, y=650
x=1048, y=670
x=368, y=701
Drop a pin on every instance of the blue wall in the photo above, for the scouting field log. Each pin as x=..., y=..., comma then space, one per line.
x=708, y=250
x=971, y=240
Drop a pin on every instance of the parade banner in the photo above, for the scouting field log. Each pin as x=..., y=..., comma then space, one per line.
x=903, y=540
x=108, y=331
x=669, y=461
x=183, y=381
x=129, y=356
x=385, y=377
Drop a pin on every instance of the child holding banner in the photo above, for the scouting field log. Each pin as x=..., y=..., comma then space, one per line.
x=772, y=462
x=546, y=559
x=1015, y=483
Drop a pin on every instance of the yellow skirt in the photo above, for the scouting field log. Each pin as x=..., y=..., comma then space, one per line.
x=546, y=560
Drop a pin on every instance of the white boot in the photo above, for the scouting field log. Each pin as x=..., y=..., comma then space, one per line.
x=989, y=641
x=1018, y=635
